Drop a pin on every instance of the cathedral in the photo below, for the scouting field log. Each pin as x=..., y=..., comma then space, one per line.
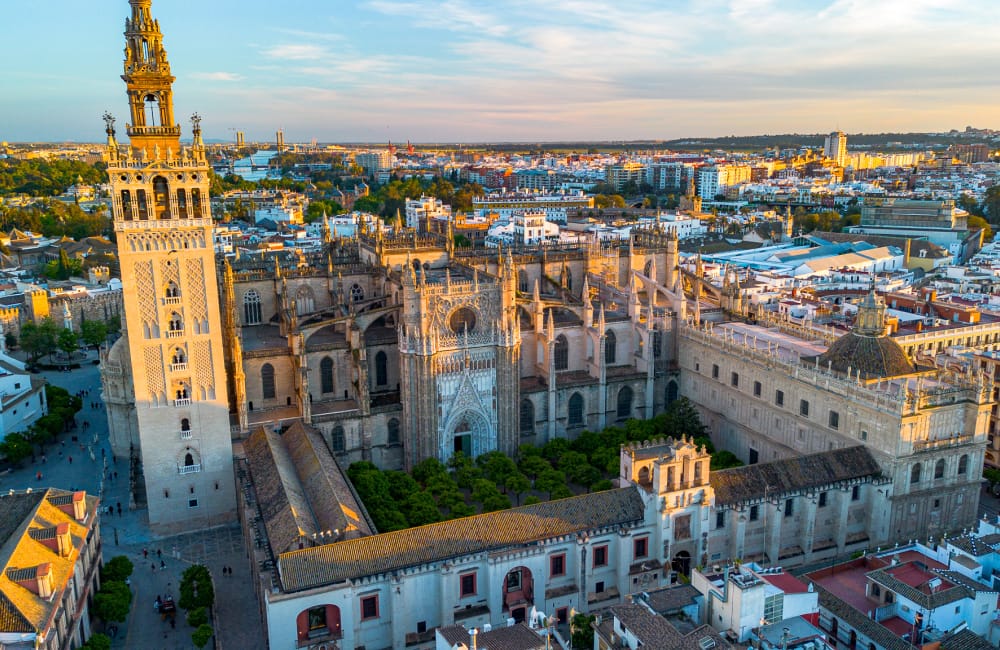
x=395, y=346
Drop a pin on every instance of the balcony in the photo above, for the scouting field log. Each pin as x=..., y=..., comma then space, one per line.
x=178, y=367
x=182, y=402
x=189, y=469
x=172, y=301
x=186, y=435
x=175, y=334
x=942, y=443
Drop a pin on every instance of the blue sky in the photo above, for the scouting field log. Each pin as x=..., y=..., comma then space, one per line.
x=516, y=70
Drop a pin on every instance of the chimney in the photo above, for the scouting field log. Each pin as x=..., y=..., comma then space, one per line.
x=43, y=577
x=80, y=506
x=64, y=541
x=472, y=636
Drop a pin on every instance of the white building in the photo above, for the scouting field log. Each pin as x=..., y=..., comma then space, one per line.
x=420, y=211
x=737, y=599
x=22, y=395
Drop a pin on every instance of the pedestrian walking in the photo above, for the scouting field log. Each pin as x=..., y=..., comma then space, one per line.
x=145, y=554
x=163, y=565
x=70, y=460
x=119, y=508
x=153, y=567
x=159, y=552
x=116, y=476
x=38, y=476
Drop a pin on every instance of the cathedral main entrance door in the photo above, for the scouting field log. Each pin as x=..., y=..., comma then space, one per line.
x=463, y=443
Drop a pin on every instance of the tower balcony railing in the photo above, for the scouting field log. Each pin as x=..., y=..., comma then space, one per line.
x=162, y=223
x=186, y=434
x=172, y=300
x=189, y=469
x=178, y=367
x=182, y=402
x=175, y=334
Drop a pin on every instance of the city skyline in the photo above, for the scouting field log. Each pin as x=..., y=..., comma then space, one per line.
x=460, y=71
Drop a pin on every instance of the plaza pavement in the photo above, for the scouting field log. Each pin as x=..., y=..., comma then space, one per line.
x=238, y=626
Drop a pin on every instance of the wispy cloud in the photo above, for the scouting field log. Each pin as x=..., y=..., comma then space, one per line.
x=297, y=52
x=451, y=15
x=217, y=76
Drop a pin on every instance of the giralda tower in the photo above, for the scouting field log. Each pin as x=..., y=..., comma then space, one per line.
x=178, y=422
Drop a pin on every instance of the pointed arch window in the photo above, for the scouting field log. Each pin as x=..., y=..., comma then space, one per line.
x=143, y=205
x=151, y=100
x=179, y=356
x=251, y=307
x=381, y=369
x=188, y=460
x=182, y=203
x=569, y=279
x=657, y=344
x=161, y=198
x=522, y=281
x=393, y=432
x=560, y=352
x=126, y=205
x=939, y=469
x=176, y=323
x=338, y=440
x=624, y=410
x=915, y=474
x=963, y=464
x=267, y=381
x=304, y=302
x=357, y=293
x=575, y=410
x=610, y=347
x=326, y=375
x=196, y=202
x=172, y=290
x=527, y=417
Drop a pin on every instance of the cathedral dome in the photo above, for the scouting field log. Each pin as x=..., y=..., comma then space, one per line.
x=868, y=348
x=872, y=356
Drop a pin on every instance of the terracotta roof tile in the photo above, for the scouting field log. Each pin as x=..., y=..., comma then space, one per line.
x=376, y=554
x=748, y=483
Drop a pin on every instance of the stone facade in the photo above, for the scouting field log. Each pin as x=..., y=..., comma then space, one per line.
x=584, y=553
x=164, y=381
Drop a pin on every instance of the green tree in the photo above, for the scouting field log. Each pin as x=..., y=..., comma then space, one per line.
x=196, y=588
x=517, y=484
x=10, y=340
x=93, y=332
x=97, y=641
x=15, y=448
x=582, y=634
x=532, y=466
x=197, y=617
x=550, y=481
x=724, y=460
x=117, y=569
x=68, y=341
x=992, y=476
x=201, y=636
x=112, y=602
x=368, y=204
x=978, y=223
x=991, y=203
x=39, y=339
x=420, y=508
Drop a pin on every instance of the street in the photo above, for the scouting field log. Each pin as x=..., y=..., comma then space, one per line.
x=87, y=464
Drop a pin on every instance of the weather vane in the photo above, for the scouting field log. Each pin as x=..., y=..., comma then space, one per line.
x=109, y=123
x=196, y=121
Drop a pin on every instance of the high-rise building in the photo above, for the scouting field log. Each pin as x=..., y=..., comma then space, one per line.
x=835, y=147
x=280, y=140
x=240, y=140
x=169, y=412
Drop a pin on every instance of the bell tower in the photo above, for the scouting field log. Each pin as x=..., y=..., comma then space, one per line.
x=173, y=328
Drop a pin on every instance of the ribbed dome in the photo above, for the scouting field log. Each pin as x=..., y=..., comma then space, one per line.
x=872, y=356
